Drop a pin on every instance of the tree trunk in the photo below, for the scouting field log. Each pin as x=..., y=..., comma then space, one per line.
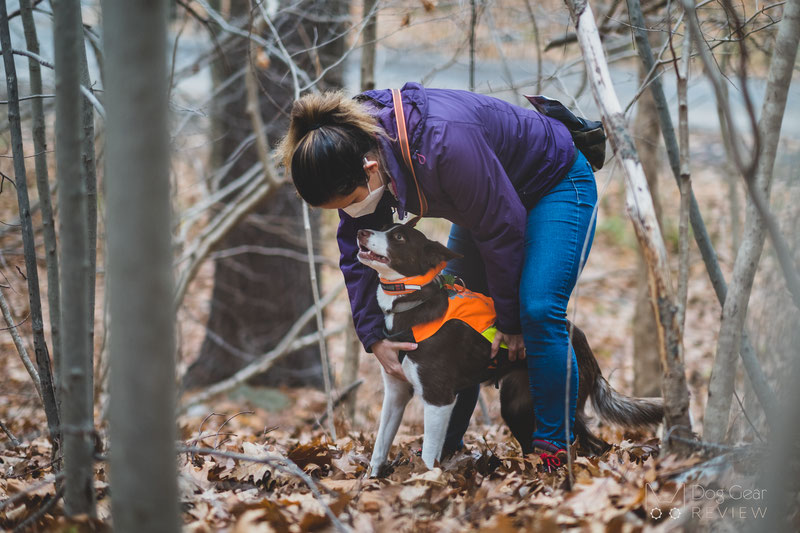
x=43, y=187
x=646, y=365
x=734, y=311
x=89, y=176
x=37, y=324
x=642, y=213
x=256, y=298
x=369, y=44
x=142, y=338
x=765, y=395
x=76, y=405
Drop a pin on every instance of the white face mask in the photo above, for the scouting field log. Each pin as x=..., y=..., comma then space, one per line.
x=368, y=205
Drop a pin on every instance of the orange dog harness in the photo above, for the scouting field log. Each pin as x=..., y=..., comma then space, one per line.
x=472, y=308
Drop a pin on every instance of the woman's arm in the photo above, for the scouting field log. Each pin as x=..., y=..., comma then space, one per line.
x=479, y=188
x=362, y=281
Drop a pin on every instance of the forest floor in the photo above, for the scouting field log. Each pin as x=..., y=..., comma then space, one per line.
x=490, y=486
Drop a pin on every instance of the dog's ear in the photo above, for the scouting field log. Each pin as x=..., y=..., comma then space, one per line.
x=413, y=222
x=436, y=252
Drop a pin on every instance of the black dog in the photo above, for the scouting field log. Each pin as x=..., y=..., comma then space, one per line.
x=454, y=352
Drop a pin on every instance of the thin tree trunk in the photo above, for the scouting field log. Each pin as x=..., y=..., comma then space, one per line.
x=43, y=187
x=142, y=339
x=75, y=402
x=642, y=214
x=39, y=343
x=746, y=156
x=370, y=40
x=765, y=395
x=248, y=316
x=734, y=311
x=646, y=362
x=352, y=359
x=89, y=176
x=538, y=41
x=323, y=349
x=686, y=178
x=352, y=346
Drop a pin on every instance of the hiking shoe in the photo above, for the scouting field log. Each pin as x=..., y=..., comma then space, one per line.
x=552, y=456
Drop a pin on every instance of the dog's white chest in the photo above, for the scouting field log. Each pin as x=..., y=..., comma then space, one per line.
x=385, y=301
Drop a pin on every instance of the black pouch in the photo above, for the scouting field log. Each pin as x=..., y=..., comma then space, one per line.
x=589, y=135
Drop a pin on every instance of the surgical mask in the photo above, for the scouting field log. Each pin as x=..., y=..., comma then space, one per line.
x=367, y=205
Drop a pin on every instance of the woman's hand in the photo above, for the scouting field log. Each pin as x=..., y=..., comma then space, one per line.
x=516, y=346
x=387, y=353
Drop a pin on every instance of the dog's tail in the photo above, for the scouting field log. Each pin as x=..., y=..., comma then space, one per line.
x=611, y=406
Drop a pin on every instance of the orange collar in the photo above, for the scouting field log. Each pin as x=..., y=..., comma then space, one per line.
x=412, y=283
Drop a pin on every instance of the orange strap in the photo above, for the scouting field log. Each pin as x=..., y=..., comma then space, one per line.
x=405, y=149
x=412, y=283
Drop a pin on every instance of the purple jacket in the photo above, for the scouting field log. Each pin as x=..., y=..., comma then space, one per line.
x=481, y=163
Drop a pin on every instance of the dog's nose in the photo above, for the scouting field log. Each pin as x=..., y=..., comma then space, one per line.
x=364, y=233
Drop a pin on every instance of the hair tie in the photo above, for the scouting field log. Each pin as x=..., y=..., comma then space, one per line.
x=315, y=126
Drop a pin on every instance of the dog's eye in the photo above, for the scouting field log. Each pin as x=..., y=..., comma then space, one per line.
x=399, y=237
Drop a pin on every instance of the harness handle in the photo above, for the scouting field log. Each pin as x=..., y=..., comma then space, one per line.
x=405, y=150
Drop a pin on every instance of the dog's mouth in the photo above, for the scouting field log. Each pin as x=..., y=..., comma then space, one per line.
x=367, y=254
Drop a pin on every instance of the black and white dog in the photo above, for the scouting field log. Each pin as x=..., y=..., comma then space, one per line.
x=457, y=355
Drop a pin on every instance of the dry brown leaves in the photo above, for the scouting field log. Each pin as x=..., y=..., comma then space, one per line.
x=488, y=487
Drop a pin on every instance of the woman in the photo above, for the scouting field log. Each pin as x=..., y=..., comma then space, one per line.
x=520, y=197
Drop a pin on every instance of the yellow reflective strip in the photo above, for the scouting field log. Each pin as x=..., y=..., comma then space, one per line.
x=490, y=333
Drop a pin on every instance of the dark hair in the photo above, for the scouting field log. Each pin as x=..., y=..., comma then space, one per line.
x=329, y=135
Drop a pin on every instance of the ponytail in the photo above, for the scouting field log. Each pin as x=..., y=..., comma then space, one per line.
x=328, y=136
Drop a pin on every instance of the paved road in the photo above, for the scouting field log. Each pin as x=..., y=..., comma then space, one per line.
x=392, y=69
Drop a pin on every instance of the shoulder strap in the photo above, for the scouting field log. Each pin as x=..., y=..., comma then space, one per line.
x=405, y=148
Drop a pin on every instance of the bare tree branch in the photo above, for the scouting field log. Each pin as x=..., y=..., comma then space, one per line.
x=763, y=390
x=287, y=344
x=21, y=350
x=256, y=192
x=734, y=310
x=642, y=214
x=11, y=437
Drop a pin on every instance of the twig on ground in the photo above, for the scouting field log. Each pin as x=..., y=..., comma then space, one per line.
x=280, y=463
x=11, y=437
x=27, y=490
x=40, y=512
x=340, y=399
x=219, y=429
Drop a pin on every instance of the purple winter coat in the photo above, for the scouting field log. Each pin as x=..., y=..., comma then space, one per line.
x=481, y=163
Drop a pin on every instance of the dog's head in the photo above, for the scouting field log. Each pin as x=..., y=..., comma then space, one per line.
x=400, y=251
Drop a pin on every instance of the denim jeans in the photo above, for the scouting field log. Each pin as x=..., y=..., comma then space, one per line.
x=558, y=228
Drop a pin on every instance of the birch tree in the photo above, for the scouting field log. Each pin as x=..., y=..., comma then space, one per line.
x=642, y=213
x=142, y=410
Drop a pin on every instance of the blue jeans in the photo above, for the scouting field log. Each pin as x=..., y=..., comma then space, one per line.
x=558, y=228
